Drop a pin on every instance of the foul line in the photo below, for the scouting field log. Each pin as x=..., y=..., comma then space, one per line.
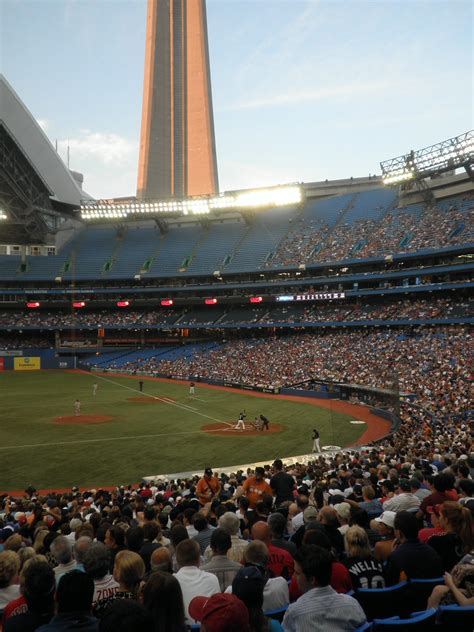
x=145, y=436
x=170, y=403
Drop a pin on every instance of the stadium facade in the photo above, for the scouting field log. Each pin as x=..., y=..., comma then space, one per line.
x=36, y=188
x=177, y=144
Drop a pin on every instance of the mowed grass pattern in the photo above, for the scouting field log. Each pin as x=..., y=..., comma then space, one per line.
x=143, y=439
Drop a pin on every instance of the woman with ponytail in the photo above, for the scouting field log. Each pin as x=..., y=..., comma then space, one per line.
x=457, y=541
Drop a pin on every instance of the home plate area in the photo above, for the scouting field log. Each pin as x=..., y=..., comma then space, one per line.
x=228, y=428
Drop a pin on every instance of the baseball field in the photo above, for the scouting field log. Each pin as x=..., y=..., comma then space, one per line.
x=122, y=434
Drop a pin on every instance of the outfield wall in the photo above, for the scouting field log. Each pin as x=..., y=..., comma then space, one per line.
x=34, y=360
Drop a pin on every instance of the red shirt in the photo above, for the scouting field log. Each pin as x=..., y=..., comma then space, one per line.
x=14, y=607
x=425, y=534
x=280, y=562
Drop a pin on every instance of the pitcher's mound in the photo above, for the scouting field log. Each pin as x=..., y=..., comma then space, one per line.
x=151, y=400
x=225, y=430
x=77, y=420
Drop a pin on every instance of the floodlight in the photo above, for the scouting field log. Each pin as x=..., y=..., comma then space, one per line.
x=448, y=155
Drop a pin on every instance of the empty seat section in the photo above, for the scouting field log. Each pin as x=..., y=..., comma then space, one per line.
x=204, y=316
x=370, y=205
x=217, y=243
x=9, y=266
x=138, y=245
x=48, y=268
x=177, y=245
x=90, y=253
x=243, y=315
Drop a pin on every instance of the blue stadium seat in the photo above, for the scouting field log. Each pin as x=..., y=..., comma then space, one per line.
x=277, y=614
x=420, y=621
x=456, y=618
x=418, y=591
x=382, y=602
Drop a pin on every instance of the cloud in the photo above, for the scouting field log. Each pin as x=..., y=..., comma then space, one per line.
x=307, y=96
x=109, y=148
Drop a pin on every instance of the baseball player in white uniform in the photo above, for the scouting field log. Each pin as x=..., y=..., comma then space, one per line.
x=77, y=408
x=240, y=422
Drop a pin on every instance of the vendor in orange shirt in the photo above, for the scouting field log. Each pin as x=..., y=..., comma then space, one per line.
x=208, y=487
x=256, y=486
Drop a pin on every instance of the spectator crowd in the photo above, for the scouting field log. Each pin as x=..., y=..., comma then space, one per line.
x=416, y=309
x=432, y=364
x=225, y=549
x=398, y=231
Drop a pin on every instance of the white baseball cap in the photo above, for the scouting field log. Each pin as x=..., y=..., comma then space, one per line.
x=387, y=518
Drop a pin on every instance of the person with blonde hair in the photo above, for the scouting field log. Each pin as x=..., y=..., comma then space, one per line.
x=457, y=541
x=129, y=571
x=365, y=570
x=9, y=577
x=19, y=606
x=38, y=544
x=26, y=553
x=35, y=607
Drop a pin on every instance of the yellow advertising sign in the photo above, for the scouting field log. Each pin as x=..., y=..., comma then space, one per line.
x=27, y=364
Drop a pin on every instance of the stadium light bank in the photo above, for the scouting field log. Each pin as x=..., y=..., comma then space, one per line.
x=241, y=200
x=448, y=155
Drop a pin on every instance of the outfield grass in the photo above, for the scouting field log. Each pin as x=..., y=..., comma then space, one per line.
x=143, y=439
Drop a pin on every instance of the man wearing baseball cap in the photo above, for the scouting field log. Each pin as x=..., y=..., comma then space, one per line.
x=223, y=612
x=208, y=487
x=384, y=525
x=256, y=486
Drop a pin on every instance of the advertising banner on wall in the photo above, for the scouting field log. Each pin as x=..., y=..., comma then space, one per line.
x=27, y=364
x=2, y=364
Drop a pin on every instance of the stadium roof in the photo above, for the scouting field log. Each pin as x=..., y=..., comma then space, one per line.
x=35, y=145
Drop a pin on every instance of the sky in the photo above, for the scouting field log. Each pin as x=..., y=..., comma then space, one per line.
x=302, y=90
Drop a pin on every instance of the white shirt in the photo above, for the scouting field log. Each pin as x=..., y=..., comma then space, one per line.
x=343, y=529
x=402, y=502
x=275, y=594
x=196, y=583
x=62, y=569
x=297, y=521
x=8, y=594
x=103, y=588
x=192, y=531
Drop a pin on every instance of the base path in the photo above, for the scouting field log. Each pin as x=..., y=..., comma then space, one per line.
x=377, y=427
x=83, y=420
x=151, y=400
